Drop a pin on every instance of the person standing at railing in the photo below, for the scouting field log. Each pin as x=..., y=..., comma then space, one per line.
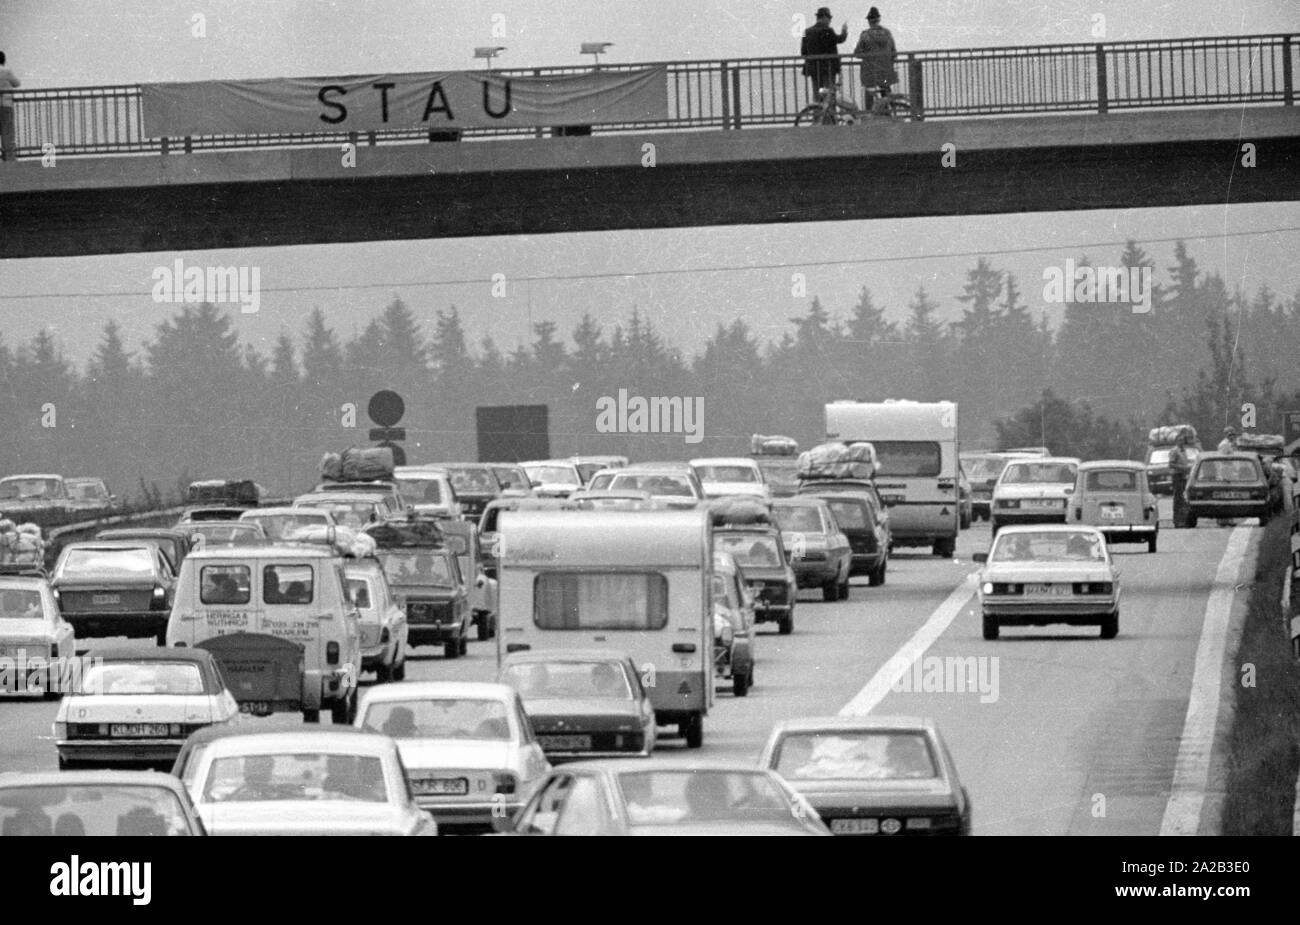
x=8, y=83
x=876, y=46
x=821, y=39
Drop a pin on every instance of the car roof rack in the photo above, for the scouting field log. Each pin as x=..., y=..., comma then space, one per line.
x=22, y=570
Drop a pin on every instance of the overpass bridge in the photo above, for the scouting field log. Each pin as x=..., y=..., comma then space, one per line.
x=995, y=130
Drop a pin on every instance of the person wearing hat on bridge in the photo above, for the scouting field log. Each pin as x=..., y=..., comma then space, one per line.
x=876, y=46
x=1229, y=442
x=821, y=39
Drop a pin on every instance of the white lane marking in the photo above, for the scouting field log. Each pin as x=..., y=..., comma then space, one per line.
x=1192, y=767
x=879, y=687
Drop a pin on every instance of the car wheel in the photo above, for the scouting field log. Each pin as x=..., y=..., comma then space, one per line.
x=384, y=674
x=311, y=716
x=785, y=625
x=343, y=712
x=945, y=548
x=484, y=627
x=464, y=645
x=1191, y=521
x=693, y=731
x=740, y=684
x=451, y=649
x=161, y=638
x=831, y=590
x=991, y=627
x=399, y=669
x=845, y=588
x=876, y=577
x=1151, y=543
x=1110, y=625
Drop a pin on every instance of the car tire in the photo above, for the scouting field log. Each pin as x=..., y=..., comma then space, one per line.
x=785, y=625
x=311, y=716
x=484, y=627
x=991, y=627
x=945, y=548
x=1151, y=543
x=1110, y=625
x=693, y=731
x=384, y=673
x=343, y=712
x=161, y=638
x=845, y=588
x=464, y=644
x=831, y=590
x=740, y=684
x=876, y=577
x=451, y=649
x=399, y=669
x=1191, y=521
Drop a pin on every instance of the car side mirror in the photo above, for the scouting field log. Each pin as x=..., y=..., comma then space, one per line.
x=980, y=557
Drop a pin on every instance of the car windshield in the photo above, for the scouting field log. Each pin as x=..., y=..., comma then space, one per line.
x=510, y=478
x=91, y=809
x=560, y=680
x=657, y=798
x=1228, y=470
x=750, y=549
x=439, y=718
x=403, y=567
x=553, y=475
x=473, y=481
x=118, y=678
x=1036, y=473
x=799, y=518
x=20, y=489
x=1112, y=480
x=726, y=474
x=416, y=490
x=666, y=485
x=866, y=755
x=1057, y=546
x=86, y=491
x=277, y=526
x=90, y=561
x=20, y=604
x=298, y=776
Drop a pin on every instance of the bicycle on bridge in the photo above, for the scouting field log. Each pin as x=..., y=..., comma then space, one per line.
x=833, y=109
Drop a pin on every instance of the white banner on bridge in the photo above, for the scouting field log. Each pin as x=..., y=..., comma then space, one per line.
x=446, y=101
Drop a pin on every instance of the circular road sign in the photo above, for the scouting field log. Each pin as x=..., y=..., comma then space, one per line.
x=386, y=408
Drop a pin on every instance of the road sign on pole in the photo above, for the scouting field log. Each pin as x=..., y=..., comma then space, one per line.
x=387, y=433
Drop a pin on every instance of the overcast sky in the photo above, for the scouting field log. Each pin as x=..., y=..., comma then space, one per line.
x=60, y=43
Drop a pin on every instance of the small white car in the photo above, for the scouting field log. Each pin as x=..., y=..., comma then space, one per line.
x=33, y=637
x=1033, y=491
x=738, y=475
x=137, y=705
x=469, y=749
x=384, y=630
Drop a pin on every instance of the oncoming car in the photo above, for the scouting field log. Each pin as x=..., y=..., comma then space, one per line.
x=1049, y=574
x=1033, y=491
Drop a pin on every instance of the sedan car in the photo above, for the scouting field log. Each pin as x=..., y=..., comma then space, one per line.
x=348, y=509
x=513, y=480
x=427, y=490
x=1033, y=491
x=662, y=798
x=468, y=748
x=87, y=494
x=1159, y=475
x=1048, y=574
x=324, y=782
x=819, y=550
x=34, y=634
x=583, y=704
x=115, y=588
x=553, y=478
x=137, y=705
x=872, y=775
x=383, y=623
x=96, y=803
x=671, y=484
x=276, y=522
x=476, y=485
x=174, y=543
x=1228, y=485
x=862, y=517
x=723, y=476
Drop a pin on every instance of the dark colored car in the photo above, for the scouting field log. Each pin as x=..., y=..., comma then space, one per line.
x=90, y=495
x=196, y=515
x=1230, y=485
x=424, y=575
x=760, y=553
x=583, y=704
x=656, y=797
x=819, y=551
x=1160, y=477
x=861, y=517
x=872, y=775
x=174, y=543
x=96, y=803
x=115, y=588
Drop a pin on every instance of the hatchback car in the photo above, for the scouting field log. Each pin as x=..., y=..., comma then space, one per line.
x=1033, y=491
x=1228, y=485
x=1159, y=475
x=174, y=543
x=1112, y=495
x=383, y=623
x=34, y=634
x=553, y=478
x=723, y=476
x=583, y=704
x=427, y=490
x=863, y=519
x=476, y=485
x=759, y=553
x=513, y=480
x=468, y=748
x=96, y=803
x=872, y=775
x=1049, y=574
x=114, y=588
x=136, y=706
x=662, y=798
x=820, y=552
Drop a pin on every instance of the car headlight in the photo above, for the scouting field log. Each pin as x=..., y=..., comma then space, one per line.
x=987, y=587
x=159, y=591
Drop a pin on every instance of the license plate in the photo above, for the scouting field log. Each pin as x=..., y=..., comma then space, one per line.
x=1233, y=495
x=855, y=826
x=568, y=743
x=1041, y=502
x=892, y=499
x=138, y=730
x=1048, y=590
x=441, y=786
x=1113, y=513
x=255, y=707
x=106, y=598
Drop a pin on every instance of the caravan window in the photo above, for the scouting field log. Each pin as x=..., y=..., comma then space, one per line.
x=600, y=601
x=907, y=458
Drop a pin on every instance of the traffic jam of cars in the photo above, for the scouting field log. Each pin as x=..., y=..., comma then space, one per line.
x=623, y=600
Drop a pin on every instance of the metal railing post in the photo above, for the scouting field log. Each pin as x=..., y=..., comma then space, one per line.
x=735, y=96
x=916, y=87
x=1103, y=86
x=723, y=90
x=1288, y=86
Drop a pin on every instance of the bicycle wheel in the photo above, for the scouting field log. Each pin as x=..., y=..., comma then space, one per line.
x=814, y=114
x=900, y=107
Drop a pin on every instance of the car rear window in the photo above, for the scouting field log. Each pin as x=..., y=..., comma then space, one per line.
x=91, y=809
x=1228, y=470
x=1112, y=480
x=90, y=561
x=309, y=776
x=855, y=755
x=139, y=678
x=20, y=604
x=904, y=458
x=287, y=584
x=600, y=600
x=802, y=519
x=1036, y=473
x=560, y=680
x=850, y=514
x=225, y=584
x=439, y=718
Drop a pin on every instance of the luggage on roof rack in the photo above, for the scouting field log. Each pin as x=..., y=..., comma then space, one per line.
x=396, y=534
x=740, y=512
x=234, y=492
x=774, y=445
x=1168, y=434
x=1262, y=443
x=838, y=461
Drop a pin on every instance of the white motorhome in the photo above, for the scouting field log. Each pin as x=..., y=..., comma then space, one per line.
x=916, y=445
x=632, y=581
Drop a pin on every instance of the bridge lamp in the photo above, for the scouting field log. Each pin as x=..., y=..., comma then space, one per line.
x=595, y=49
x=488, y=52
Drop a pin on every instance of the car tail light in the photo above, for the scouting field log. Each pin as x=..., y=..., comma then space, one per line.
x=505, y=783
x=1012, y=503
x=1094, y=587
x=332, y=653
x=1078, y=513
x=383, y=637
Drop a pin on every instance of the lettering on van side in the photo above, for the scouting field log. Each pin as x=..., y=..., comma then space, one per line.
x=288, y=629
x=226, y=618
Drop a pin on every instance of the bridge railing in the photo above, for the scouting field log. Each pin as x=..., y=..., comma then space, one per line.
x=750, y=92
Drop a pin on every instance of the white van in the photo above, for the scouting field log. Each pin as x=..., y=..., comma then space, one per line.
x=631, y=581
x=279, y=621
x=917, y=475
